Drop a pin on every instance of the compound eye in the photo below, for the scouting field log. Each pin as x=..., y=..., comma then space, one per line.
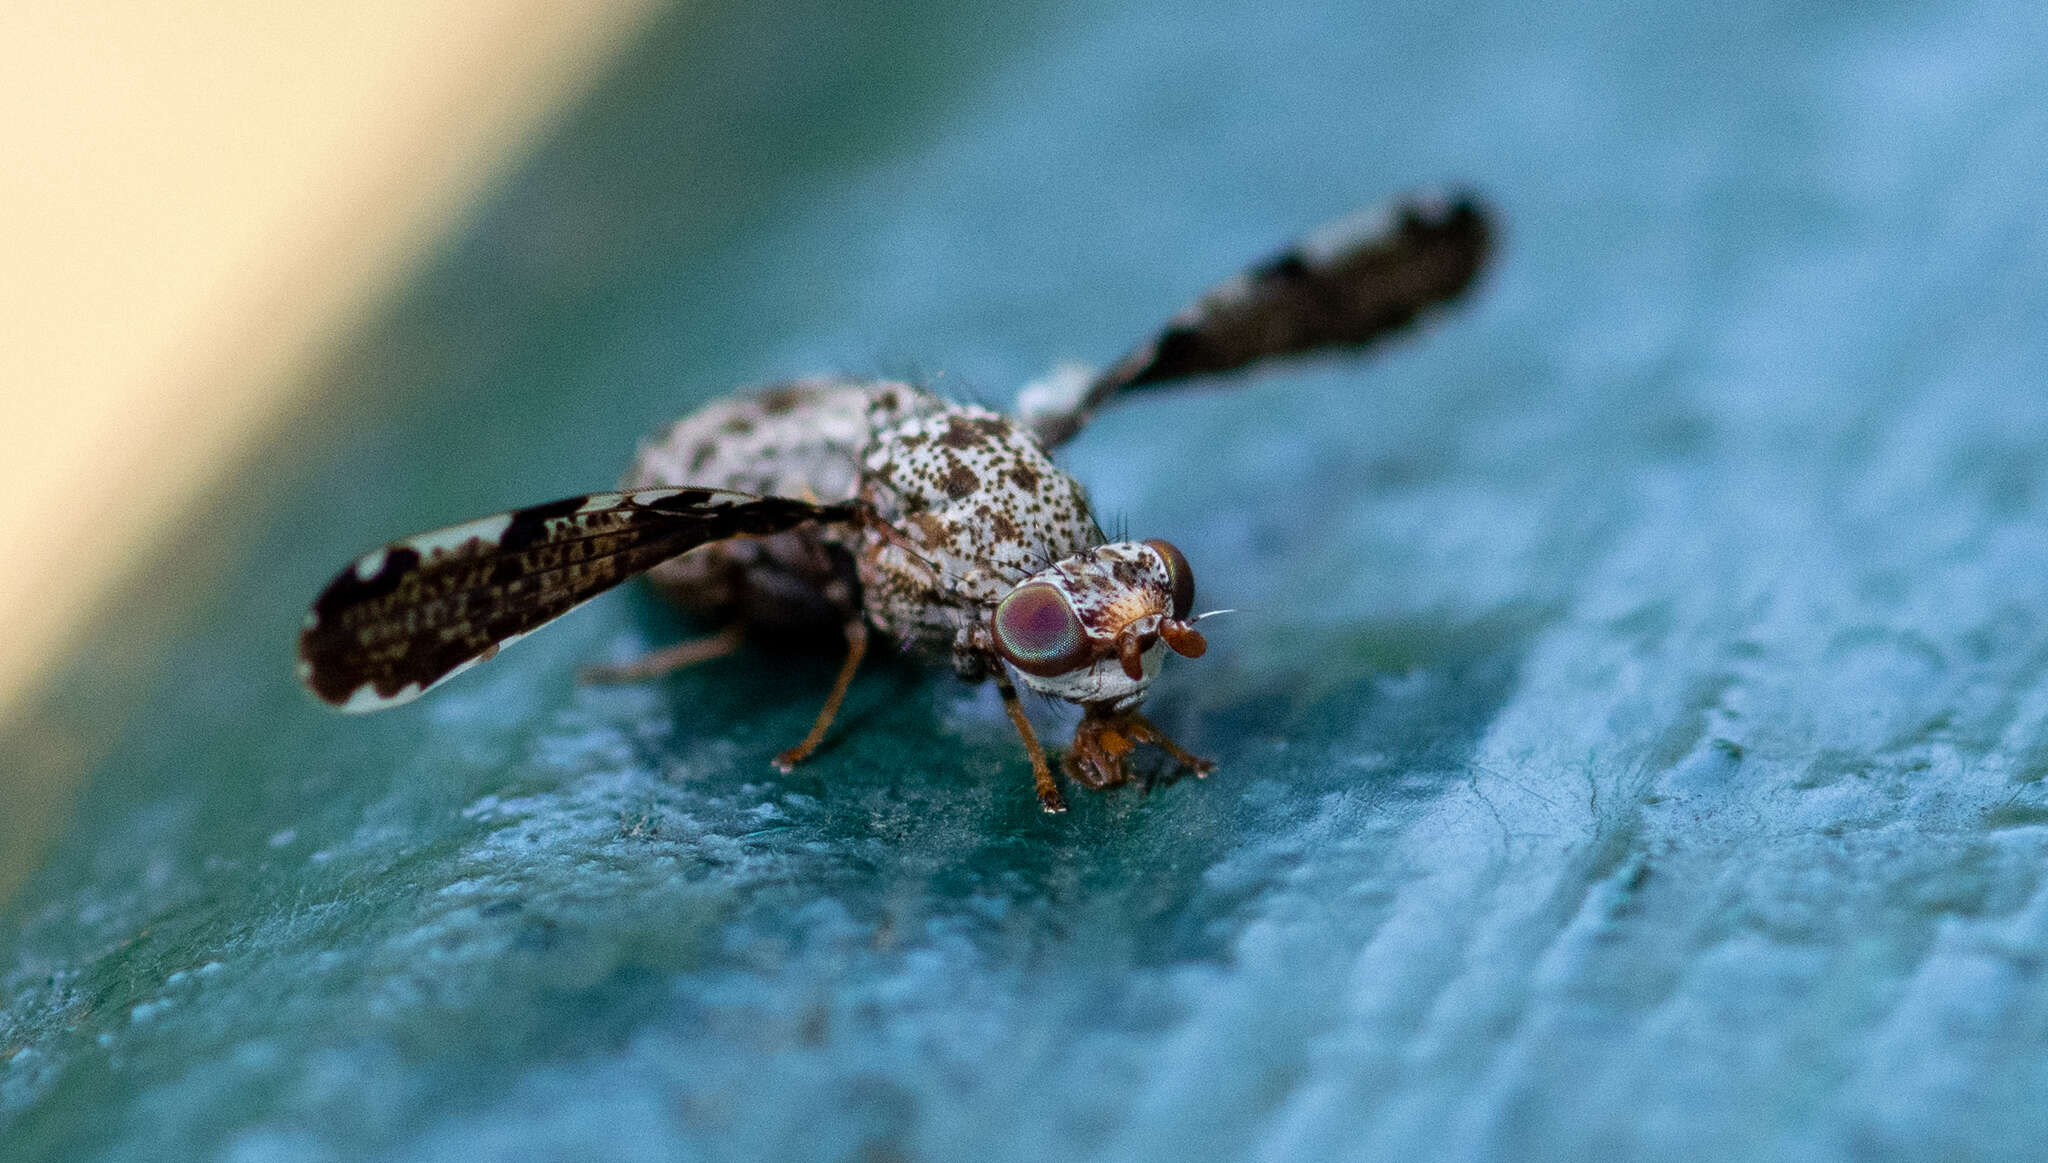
x=1180, y=580
x=1039, y=632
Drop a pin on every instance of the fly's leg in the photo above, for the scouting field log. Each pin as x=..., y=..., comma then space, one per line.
x=668, y=659
x=1144, y=731
x=1097, y=757
x=1041, y=773
x=1106, y=738
x=856, y=649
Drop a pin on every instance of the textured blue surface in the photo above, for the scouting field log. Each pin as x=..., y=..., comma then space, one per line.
x=1632, y=744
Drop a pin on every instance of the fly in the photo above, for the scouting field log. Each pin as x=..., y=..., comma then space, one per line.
x=848, y=509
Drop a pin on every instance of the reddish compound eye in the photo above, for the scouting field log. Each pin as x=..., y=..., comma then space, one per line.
x=1039, y=633
x=1180, y=580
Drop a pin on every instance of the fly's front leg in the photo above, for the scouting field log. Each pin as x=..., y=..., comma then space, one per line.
x=1145, y=731
x=1105, y=739
x=1049, y=795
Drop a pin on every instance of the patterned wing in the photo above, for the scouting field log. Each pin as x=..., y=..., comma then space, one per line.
x=409, y=615
x=1346, y=286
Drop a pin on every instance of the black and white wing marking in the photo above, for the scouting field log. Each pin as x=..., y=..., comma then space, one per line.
x=1345, y=286
x=409, y=615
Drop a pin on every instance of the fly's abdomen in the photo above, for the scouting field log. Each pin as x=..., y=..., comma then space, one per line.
x=801, y=439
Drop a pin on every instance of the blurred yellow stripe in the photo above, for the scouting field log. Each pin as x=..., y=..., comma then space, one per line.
x=198, y=198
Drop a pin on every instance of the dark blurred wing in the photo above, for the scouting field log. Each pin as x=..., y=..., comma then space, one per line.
x=417, y=611
x=1347, y=285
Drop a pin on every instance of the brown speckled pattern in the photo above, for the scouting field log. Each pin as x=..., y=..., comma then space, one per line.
x=973, y=506
x=977, y=506
x=801, y=439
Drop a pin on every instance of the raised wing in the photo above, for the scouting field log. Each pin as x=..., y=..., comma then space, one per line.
x=409, y=615
x=1345, y=286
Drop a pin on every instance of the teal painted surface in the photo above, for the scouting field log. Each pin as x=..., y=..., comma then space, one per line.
x=1632, y=744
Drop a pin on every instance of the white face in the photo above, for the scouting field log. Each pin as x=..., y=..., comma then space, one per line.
x=1094, y=628
x=1103, y=681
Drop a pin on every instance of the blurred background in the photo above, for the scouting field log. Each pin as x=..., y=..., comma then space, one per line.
x=203, y=200
x=1632, y=743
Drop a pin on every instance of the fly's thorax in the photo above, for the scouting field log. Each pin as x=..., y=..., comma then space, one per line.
x=972, y=503
x=1094, y=627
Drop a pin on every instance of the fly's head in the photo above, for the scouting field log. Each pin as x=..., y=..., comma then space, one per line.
x=1093, y=628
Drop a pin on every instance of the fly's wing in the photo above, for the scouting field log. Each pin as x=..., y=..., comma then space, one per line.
x=409, y=615
x=1345, y=286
